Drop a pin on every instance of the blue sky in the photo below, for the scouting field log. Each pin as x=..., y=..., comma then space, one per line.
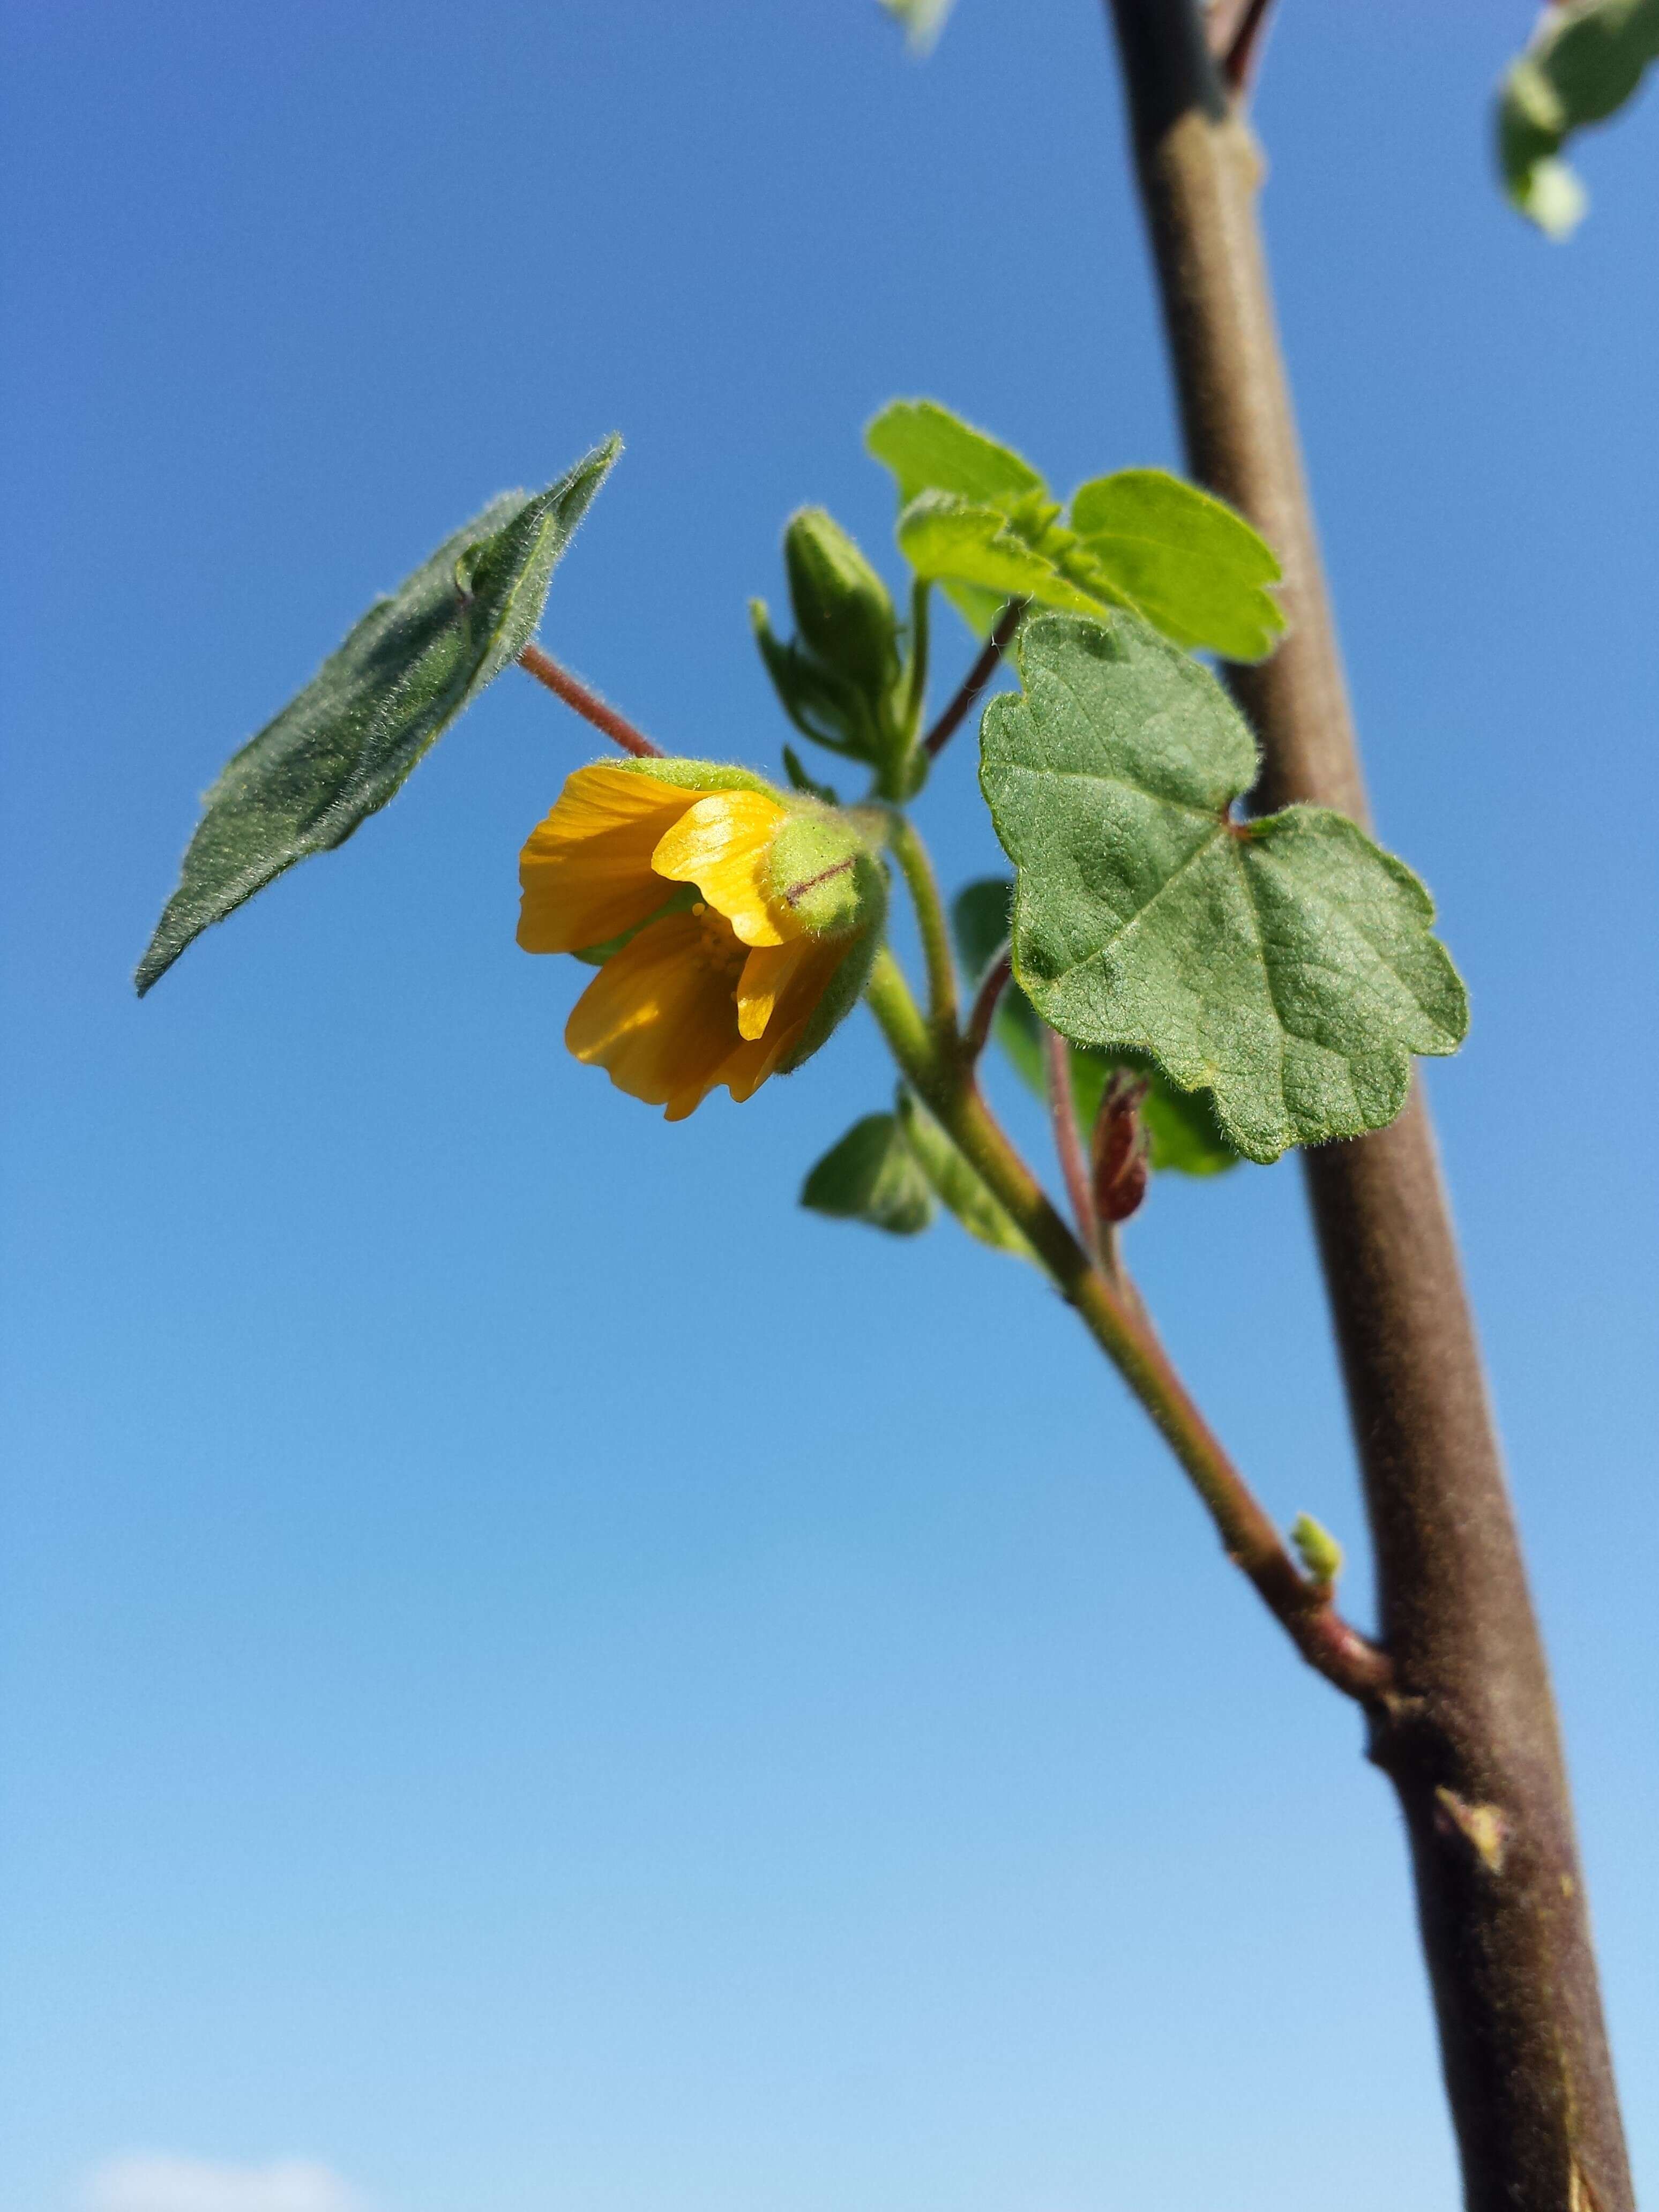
x=538, y=1675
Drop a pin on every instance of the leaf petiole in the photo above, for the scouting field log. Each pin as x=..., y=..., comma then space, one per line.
x=984, y=668
x=588, y=704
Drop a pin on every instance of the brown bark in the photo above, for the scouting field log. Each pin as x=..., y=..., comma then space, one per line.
x=1470, y=1740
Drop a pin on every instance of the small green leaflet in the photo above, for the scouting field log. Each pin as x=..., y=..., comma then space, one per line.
x=1180, y=1125
x=872, y=1176
x=1196, y=570
x=923, y=21
x=1582, y=63
x=1286, y=964
x=957, y=1182
x=348, y=743
x=977, y=519
x=889, y=1168
x=951, y=542
x=932, y=451
x=929, y=449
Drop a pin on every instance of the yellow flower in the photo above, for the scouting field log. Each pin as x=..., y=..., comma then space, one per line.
x=722, y=979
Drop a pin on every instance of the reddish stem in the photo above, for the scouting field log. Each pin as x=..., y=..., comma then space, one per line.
x=588, y=704
x=977, y=678
x=987, y=998
x=1069, y=1141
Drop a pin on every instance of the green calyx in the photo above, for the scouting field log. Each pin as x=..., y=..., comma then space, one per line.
x=842, y=993
x=821, y=870
x=699, y=775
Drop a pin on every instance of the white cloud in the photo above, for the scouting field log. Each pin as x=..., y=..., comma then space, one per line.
x=158, y=2181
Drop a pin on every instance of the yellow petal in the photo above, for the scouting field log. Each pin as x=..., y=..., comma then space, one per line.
x=659, y=1016
x=767, y=974
x=797, y=989
x=586, y=869
x=720, y=845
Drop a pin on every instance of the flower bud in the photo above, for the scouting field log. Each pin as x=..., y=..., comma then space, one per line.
x=1119, y=1165
x=843, y=611
x=1321, y=1553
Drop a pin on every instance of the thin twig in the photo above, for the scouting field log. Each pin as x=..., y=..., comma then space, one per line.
x=1112, y=1314
x=588, y=704
x=977, y=678
x=1068, y=1143
x=987, y=999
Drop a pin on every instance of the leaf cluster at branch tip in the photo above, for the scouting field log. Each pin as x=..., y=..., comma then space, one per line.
x=976, y=517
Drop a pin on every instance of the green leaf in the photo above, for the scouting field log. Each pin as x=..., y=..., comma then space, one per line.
x=1321, y=1553
x=922, y=21
x=1183, y=1134
x=1581, y=65
x=947, y=539
x=929, y=449
x=343, y=748
x=871, y=1175
x=981, y=915
x=957, y=1182
x=1193, y=567
x=1181, y=1126
x=822, y=703
x=1286, y=964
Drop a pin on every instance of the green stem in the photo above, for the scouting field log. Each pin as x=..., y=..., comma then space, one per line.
x=917, y=869
x=915, y=695
x=937, y=1067
x=984, y=668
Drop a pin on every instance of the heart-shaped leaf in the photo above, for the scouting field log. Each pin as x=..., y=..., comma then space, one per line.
x=1180, y=1125
x=348, y=742
x=1286, y=964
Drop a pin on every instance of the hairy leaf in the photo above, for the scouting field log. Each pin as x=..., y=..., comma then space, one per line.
x=1181, y=1128
x=872, y=1175
x=1582, y=63
x=1287, y=964
x=930, y=449
x=1193, y=567
x=343, y=748
x=947, y=539
x=821, y=702
x=979, y=520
